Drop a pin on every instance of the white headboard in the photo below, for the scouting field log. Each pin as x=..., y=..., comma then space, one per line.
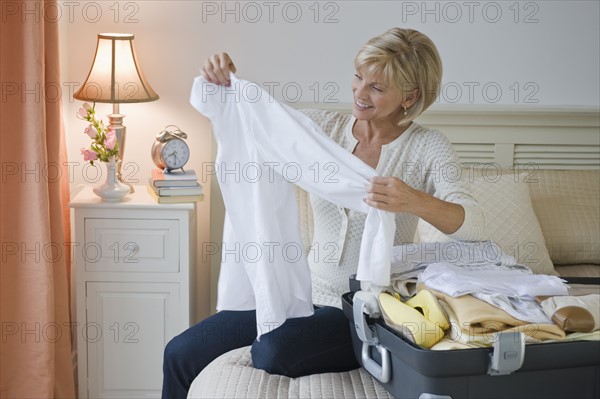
x=549, y=138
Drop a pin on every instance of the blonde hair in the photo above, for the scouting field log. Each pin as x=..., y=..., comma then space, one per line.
x=407, y=60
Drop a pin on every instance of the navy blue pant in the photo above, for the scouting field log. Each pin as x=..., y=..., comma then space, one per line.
x=307, y=345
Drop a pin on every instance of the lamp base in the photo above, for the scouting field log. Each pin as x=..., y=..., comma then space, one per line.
x=115, y=123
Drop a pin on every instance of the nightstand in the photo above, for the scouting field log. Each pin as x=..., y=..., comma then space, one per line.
x=133, y=271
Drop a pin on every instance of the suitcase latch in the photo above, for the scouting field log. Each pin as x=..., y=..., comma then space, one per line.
x=508, y=354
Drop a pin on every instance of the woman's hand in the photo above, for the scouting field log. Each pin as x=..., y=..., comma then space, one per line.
x=391, y=194
x=217, y=67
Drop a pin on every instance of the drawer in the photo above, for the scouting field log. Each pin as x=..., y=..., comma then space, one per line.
x=131, y=245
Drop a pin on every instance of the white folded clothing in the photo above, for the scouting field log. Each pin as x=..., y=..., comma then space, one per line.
x=514, y=280
x=410, y=257
x=510, y=288
x=525, y=309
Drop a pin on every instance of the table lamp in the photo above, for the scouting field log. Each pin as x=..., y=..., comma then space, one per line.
x=116, y=77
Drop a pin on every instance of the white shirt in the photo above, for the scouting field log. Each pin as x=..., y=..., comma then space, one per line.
x=272, y=142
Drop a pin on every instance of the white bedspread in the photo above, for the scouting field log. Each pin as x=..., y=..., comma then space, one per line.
x=232, y=376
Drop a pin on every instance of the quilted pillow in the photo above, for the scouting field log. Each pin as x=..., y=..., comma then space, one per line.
x=510, y=221
x=567, y=205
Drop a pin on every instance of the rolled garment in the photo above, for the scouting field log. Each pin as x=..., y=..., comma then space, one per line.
x=264, y=147
x=574, y=313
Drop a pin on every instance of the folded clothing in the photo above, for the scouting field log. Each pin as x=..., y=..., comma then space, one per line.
x=515, y=280
x=412, y=256
x=511, y=288
x=476, y=321
x=456, y=338
x=573, y=313
x=406, y=288
x=583, y=289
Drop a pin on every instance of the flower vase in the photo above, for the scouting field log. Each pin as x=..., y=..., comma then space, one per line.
x=112, y=190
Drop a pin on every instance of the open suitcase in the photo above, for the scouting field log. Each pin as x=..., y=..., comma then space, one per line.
x=508, y=370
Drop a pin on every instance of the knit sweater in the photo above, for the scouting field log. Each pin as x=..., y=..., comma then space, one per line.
x=423, y=158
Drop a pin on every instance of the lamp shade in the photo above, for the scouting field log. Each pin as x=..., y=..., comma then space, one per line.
x=116, y=75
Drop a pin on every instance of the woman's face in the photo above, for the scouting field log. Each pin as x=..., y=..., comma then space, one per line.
x=375, y=102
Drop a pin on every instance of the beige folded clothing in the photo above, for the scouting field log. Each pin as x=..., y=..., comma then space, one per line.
x=583, y=289
x=475, y=321
x=406, y=288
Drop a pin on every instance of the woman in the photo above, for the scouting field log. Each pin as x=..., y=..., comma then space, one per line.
x=397, y=77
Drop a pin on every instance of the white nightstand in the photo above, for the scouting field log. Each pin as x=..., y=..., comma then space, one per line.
x=133, y=271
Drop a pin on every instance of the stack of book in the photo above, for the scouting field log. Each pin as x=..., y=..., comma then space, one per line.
x=175, y=187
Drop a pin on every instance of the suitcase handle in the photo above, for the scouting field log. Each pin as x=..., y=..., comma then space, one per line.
x=364, y=332
x=383, y=372
x=369, y=339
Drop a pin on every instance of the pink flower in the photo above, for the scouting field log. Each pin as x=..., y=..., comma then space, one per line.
x=89, y=155
x=91, y=131
x=87, y=106
x=83, y=113
x=111, y=140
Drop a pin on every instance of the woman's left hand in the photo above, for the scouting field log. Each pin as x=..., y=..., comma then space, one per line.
x=391, y=194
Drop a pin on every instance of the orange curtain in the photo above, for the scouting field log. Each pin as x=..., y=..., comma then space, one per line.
x=35, y=356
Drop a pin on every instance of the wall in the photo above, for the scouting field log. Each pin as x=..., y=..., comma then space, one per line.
x=503, y=53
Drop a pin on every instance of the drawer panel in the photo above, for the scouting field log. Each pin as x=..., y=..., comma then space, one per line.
x=131, y=245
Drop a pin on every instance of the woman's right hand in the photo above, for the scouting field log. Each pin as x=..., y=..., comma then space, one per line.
x=217, y=67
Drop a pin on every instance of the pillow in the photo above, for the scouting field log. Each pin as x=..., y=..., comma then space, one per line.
x=567, y=205
x=510, y=221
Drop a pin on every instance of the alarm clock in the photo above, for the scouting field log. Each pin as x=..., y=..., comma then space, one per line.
x=169, y=151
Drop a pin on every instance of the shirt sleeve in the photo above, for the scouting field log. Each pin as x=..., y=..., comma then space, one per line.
x=445, y=180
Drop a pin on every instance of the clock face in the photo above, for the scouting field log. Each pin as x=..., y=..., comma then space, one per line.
x=175, y=153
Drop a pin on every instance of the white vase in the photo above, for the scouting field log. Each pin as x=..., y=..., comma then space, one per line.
x=112, y=190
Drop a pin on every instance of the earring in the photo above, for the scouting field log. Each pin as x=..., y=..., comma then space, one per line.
x=405, y=112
